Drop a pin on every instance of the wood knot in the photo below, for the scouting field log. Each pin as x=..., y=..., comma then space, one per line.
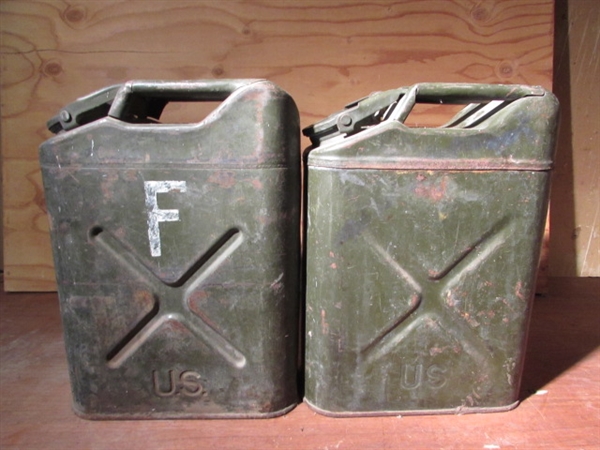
x=480, y=14
x=52, y=68
x=74, y=14
x=218, y=71
x=506, y=70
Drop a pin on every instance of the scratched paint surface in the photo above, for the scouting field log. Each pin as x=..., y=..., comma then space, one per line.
x=177, y=259
x=418, y=294
x=422, y=250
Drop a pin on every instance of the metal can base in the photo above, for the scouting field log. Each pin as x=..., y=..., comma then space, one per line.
x=182, y=415
x=460, y=410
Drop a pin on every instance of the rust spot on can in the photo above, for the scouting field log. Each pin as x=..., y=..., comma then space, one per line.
x=433, y=274
x=223, y=179
x=519, y=291
x=198, y=296
x=435, y=191
x=324, y=324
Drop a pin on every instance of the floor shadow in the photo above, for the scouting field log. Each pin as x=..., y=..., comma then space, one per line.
x=563, y=331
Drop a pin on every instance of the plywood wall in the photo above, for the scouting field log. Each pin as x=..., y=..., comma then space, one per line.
x=575, y=215
x=324, y=52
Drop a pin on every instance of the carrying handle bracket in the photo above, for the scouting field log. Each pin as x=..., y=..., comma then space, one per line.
x=84, y=110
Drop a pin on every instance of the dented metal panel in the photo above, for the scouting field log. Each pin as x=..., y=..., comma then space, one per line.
x=176, y=250
x=422, y=250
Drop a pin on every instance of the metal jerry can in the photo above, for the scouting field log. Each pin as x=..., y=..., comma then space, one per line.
x=422, y=250
x=176, y=250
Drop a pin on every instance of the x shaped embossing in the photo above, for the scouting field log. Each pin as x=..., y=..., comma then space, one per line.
x=171, y=300
x=429, y=287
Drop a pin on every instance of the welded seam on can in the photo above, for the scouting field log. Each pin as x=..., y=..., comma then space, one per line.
x=192, y=165
x=436, y=164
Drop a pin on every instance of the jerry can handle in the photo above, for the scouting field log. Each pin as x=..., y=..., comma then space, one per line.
x=142, y=101
x=397, y=104
x=457, y=94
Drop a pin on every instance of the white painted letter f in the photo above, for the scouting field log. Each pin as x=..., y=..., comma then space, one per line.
x=155, y=214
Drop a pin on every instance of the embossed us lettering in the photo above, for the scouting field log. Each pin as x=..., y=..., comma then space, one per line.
x=414, y=376
x=187, y=383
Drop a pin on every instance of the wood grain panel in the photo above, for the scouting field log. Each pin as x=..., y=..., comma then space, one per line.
x=575, y=219
x=324, y=53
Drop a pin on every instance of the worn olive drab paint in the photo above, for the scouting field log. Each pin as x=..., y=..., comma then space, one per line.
x=176, y=250
x=422, y=250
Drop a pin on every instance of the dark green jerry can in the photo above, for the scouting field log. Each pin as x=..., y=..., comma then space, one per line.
x=176, y=250
x=422, y=250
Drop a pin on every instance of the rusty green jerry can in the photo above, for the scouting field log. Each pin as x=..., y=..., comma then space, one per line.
x=422, y=250
x=176, y=250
